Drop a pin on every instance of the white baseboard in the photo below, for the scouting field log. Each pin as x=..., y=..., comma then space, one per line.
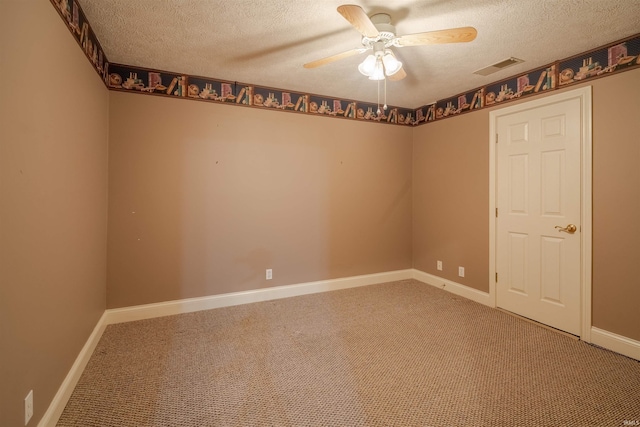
x=454, y=288
x=609, y=340
x=148, y=311
x=615, y=342
x=50, y=418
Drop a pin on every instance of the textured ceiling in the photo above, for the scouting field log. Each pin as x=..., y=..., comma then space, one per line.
x=266, y=42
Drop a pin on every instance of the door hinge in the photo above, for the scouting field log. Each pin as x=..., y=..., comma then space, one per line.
x=496, y=138
x=496, y=212
x=496, y=277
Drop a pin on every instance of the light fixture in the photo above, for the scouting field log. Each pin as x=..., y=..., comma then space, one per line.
x=378, y=65
x=382, y=63
x=368, y=65
x=391, y=64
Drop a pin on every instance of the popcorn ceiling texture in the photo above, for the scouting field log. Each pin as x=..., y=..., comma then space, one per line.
x=267, y=42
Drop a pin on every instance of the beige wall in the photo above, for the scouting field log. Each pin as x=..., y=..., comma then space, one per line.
x=53, y=204
x=221, y=193
x=616, y=204
x=450, y=205
x=451, y=198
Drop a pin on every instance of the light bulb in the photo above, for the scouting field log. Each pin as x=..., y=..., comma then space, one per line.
x=378, y=71
x=391, y=64
x=368, y=66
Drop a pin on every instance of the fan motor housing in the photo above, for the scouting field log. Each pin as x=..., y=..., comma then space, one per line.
x=382, y=22
x=387, y=32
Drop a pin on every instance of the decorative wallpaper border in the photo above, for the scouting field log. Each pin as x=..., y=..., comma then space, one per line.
x=165, y=83
x=77, y=23
x=616, y=57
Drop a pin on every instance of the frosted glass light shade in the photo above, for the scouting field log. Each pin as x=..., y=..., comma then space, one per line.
x=367, y=67
x=391, y=64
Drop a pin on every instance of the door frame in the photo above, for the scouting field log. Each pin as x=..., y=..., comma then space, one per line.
x=586, y=170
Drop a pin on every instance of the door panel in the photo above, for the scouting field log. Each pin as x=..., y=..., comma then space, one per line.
x=552, y=171
x=518, y=262
x=518, y=185
x=551, y=269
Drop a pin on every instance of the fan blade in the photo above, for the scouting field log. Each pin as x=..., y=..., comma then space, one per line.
x=399, y=75
x=359, y=19
x=452, y=35
x=330, y=59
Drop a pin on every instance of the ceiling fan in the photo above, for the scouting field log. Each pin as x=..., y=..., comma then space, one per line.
x=379, y=36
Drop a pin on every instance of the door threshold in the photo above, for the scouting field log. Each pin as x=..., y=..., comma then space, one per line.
x=551, y=328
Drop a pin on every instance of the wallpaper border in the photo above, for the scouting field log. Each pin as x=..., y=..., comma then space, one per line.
x=165, y=83
x=77, y=23
x=619, y=56
x=612, y=58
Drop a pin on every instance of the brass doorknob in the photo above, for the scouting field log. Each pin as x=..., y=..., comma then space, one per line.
x=568, y=229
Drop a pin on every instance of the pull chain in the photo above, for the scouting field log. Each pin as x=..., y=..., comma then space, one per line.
x=385, y=95
x=378, y=112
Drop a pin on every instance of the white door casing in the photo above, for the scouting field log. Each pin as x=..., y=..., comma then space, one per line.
x=540, y=180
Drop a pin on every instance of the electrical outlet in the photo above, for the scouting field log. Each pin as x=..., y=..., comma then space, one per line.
x=269, y=274
x=461, y=271
x=439, y=265
x=28, y=407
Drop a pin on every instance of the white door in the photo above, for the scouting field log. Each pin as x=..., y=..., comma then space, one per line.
x=538, y=206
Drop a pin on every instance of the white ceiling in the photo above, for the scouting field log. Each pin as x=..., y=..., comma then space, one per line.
x=266, y=42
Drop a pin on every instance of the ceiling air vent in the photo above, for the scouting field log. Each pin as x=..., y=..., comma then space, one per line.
x=498, y=66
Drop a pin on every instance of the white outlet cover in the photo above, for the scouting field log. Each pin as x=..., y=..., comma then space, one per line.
x=269, y=274
x=439, y=265
x=461, y=271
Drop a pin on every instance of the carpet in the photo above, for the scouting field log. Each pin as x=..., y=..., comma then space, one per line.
x=396, y=354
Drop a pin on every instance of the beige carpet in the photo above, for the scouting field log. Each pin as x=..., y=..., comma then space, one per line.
x=396, y=354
